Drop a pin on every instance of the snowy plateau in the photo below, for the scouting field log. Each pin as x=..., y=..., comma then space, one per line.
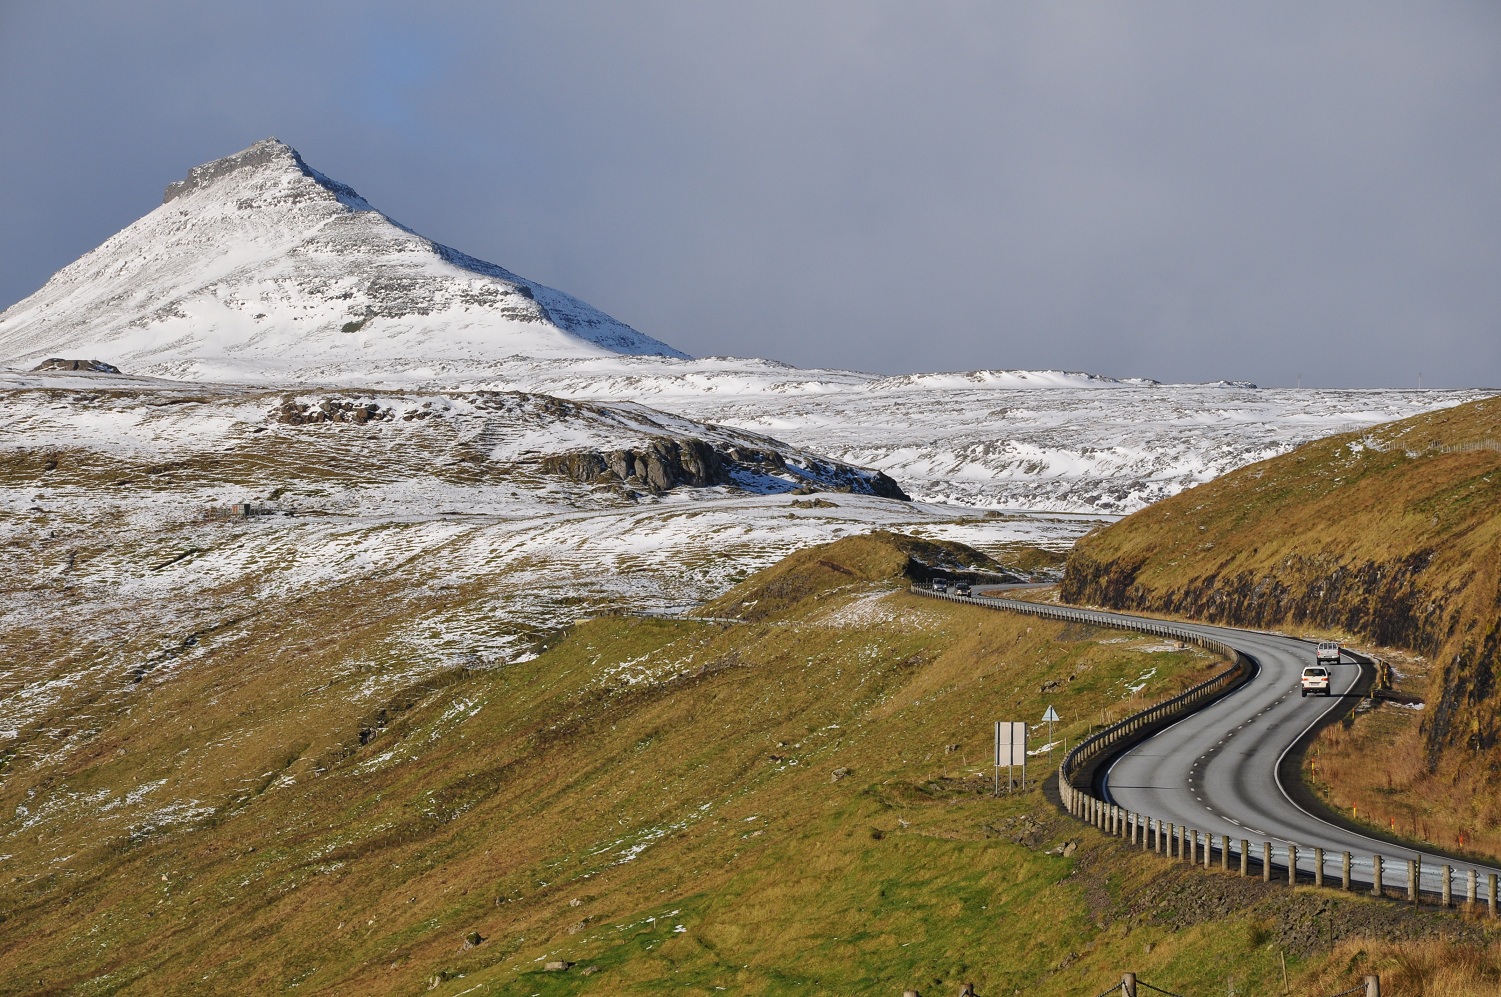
x=473, y=460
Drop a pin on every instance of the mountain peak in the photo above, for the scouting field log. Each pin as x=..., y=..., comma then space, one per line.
x=269, y=158
x=256, y=266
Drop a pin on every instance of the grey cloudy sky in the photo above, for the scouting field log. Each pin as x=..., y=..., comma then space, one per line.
x=1186, y=191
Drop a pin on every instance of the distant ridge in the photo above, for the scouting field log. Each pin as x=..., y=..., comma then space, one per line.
x=259, y=262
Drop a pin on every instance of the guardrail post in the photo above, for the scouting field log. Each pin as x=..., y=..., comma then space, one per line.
x=1470, y=895
x=1412, y=879
x=1245, y=857
x=1266, y=861
x=1172, y=839
x=1344, y=871
x=1225, y=852
x=1318, y=867
x=1376, y=864
x=1208, y=848
x=1490, y=892
x=1292, y=865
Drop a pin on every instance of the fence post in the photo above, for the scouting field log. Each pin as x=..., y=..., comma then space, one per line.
x=1376, y=875
x=1225, y=852
x=1490, y=890
x=1172, y=839
x=1470, y=894
x=1292, y=865
x=1245, y=857
x=1448, y=888
x=1318, y=867
x=1128, y=985
x=1373, y=986
x=1266, y=861
x=1344, y=871
x=1208, y=849
x=1412, y=879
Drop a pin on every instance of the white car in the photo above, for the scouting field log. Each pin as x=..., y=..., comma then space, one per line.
x=1316, y=680
x=1328, y=651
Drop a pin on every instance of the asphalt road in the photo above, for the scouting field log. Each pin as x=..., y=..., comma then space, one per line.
x=1217, y=770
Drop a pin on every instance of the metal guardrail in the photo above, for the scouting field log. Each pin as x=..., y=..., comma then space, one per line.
x=1178, y=841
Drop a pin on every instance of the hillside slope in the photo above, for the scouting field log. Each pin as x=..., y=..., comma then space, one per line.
x=1391, y=536
x=793, y=806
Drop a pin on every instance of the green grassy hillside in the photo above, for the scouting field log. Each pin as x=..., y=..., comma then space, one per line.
x=794, y=804
x=1391, y=537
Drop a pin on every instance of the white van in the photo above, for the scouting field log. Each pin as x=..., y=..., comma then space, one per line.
x=1316, y=680
x=1328, y=651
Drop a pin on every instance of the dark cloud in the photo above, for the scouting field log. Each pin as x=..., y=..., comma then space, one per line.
x=1182, y=191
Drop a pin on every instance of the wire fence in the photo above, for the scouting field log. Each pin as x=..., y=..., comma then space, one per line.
x=1129, y=985
x=1144, y=983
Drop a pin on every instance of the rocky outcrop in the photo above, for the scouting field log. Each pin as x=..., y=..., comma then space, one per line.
x=659, y=466
x=87, y=366
x=670, y=462
x=1384, y=601
x=292, y=412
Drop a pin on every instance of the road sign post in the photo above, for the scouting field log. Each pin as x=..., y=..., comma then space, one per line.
x=1010, y=750
x=1050, y=718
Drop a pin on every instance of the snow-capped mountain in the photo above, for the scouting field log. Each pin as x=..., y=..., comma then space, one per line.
x=258, y=269
x=257, y=263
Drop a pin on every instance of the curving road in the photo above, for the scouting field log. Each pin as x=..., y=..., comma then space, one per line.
x=1216, y=770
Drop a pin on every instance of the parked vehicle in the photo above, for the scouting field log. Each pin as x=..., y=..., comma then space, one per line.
x=1315, y=680
x=1328, y=651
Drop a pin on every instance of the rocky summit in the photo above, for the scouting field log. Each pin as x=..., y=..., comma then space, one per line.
x=258, y=261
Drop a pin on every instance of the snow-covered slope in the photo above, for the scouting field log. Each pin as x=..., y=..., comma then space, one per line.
x=1040, y=440
x=256, y=264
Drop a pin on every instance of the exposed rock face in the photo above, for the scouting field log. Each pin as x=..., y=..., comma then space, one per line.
x=670, y=462
x=664, y=464
x=93, y=366
x=295, y=413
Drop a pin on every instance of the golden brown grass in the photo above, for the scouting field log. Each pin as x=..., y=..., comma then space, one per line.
x=1435, y=967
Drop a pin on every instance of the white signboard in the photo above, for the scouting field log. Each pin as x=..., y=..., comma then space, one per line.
x=1010, y=743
